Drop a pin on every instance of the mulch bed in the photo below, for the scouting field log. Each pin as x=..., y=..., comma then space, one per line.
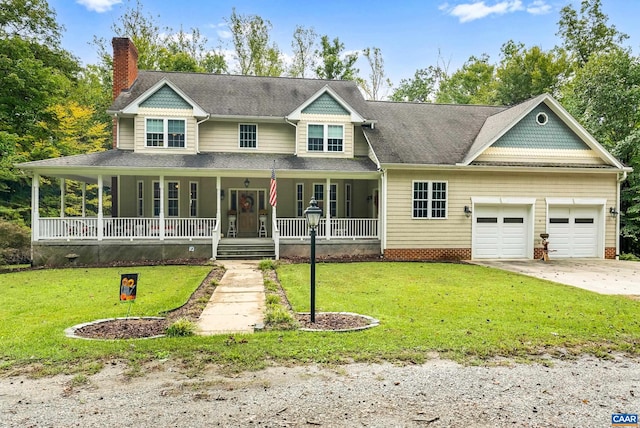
x=139, y=328
x=332, y=321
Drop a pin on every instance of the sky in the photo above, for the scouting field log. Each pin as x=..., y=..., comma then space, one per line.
x=412, y=34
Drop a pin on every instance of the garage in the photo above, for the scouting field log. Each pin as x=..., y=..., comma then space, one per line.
x=574, y=231
x=502, y=232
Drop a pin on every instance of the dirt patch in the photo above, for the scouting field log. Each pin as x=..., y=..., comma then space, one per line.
x=144, y=327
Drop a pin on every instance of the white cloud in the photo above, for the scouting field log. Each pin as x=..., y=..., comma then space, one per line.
x=222, y=30
x=99, y=5
x=467, y=12
x=539, y=7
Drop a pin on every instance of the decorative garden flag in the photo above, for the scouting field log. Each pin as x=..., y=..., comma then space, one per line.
x=128, y=286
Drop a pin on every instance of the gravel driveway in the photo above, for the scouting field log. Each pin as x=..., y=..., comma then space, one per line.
x=439, y=393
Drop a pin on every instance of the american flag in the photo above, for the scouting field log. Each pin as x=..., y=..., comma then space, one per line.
x=273, y=190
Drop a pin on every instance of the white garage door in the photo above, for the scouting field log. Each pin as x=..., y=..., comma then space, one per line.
x=573, y=231
x=501, y=232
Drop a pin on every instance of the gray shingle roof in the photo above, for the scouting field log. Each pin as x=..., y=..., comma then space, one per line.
x=430, y=134
x=117, y=159
x=231, y=95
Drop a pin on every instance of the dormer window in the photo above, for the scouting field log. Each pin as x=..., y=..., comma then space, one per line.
x=248, y=135
x=165, y=133
x=325, y=138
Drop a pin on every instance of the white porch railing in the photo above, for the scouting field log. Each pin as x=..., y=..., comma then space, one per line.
x=340, y=228
x=68, y=228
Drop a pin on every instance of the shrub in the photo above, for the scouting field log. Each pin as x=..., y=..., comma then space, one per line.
x=15, y=243
x=267, y=264
x=629, y=257
x=180, y=328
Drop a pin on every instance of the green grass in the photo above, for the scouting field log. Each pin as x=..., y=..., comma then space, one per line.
x=468, y=313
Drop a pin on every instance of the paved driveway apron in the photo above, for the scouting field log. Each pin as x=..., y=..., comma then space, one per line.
x=601, y=276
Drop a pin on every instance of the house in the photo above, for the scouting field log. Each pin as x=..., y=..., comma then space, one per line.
x=190, y=171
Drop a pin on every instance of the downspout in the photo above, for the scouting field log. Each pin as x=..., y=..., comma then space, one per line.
x=620, y=180
x=115, y=116
x=198, y=132
x=295, y=125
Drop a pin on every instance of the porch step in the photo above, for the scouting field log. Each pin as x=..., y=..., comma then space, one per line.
x=246, y=249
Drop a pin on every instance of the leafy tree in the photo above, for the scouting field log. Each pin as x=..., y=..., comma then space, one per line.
x=421, y=88
x=333, y=66
x=304, y=40
x=30, y=20
x=377, y=79
x=473, y=83
x=603, y=97
x=256, y=55
x=587, y=33
x=525, y=73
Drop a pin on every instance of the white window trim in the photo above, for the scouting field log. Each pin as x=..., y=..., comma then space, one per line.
x=192, y=200
x=239, y=134
x=335, y=186
x=140, y=197
x=348, y=203
x=325, y=138
x=167, y=199
x=430, y=200
x=154, y=199
x=165, y=127
x=300, y=200
x=324, y=194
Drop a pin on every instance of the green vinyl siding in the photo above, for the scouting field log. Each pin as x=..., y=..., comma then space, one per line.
x=166, y=97
x=529, y=134
x=325, y=104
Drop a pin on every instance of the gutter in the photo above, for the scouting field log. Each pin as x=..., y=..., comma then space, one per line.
x=198, y=133
x=295, y=125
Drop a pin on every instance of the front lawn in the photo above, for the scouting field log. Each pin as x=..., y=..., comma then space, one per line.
x=463, y=312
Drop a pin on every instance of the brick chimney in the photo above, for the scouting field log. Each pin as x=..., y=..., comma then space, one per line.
x=125, y=72
x=125, y=64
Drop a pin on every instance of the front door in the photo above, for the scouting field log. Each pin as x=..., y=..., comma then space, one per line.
x=247, y=213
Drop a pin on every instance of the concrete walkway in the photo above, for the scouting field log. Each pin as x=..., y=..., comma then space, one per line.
x=238, y=302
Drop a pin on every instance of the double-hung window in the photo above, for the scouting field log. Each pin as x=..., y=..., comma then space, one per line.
x=173, y=198
x=165, y=133
x=140, y=205
x=429, y=199
x=325, y=138
x=193, y=199
x=300, y=199
x=248, y=134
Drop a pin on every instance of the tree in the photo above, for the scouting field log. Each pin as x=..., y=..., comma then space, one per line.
x=421, y=88
x=30, y=20
x=256, y=55
x=525, y=73
x=603, y=97
x=333, y=66
x=304, y=41
x=473, y=83
x=587, y=33
x=377, y=79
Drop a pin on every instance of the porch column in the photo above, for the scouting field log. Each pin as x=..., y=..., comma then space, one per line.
x=84, y=199
x=382, y=212
x=327, y=209
x=161, y=213
x=35, y=207
x=63, y=185
x=100, y=217
x=218, y=200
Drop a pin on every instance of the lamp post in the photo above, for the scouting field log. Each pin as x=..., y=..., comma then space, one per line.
x=313, y=213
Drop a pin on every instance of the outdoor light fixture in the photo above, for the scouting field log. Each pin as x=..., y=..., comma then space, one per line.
x=613, y=211
x=246, y=182
x=222, y=194
x=313, y=214
x=467, y=211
